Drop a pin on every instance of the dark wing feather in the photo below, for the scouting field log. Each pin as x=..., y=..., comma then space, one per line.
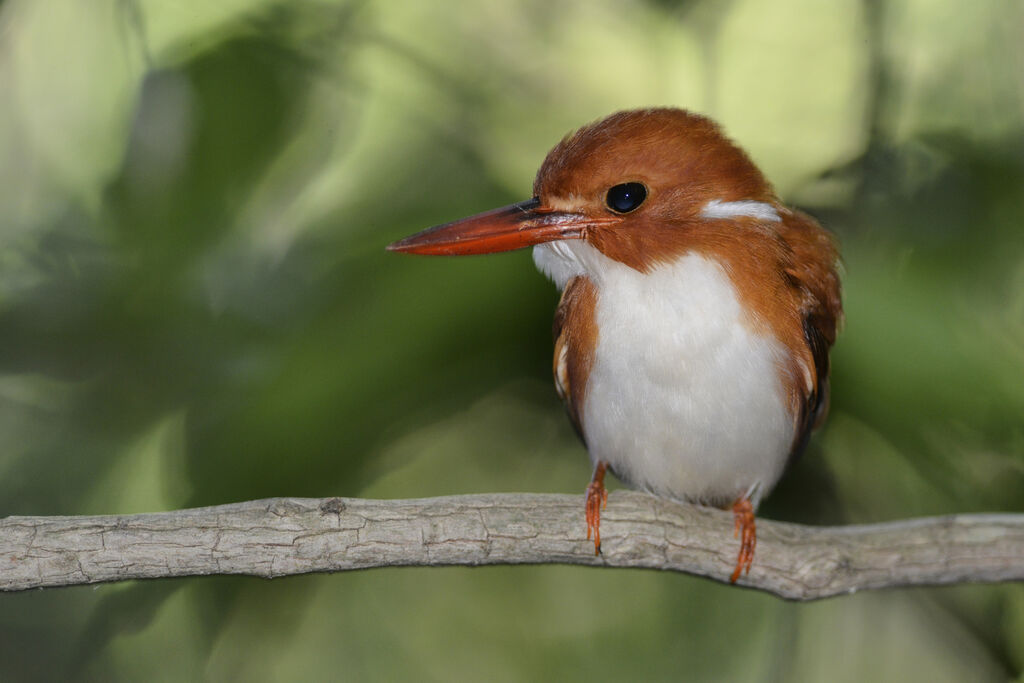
x=814, y=406
x=813, y=270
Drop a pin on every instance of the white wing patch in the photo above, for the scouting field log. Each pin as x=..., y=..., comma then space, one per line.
x=747, y=208
x=562, y=371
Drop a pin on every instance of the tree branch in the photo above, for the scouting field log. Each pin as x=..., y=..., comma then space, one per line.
x=283, y=536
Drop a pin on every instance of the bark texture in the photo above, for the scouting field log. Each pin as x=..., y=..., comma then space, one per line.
x=285, y=536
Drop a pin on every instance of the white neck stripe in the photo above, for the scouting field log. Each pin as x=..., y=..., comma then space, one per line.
x=716, y=208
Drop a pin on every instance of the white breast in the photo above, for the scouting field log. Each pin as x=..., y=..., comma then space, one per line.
x=683, y=399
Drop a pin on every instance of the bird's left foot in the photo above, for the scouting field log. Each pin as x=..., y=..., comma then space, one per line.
x=743, y=514
x=597, y=498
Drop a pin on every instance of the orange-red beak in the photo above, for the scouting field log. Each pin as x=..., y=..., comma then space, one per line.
x=510, y=227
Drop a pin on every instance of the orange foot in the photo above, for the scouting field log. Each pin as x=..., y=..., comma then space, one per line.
x=743, y=513
x=597, y=498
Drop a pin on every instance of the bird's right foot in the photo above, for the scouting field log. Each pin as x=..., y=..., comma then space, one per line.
x=597, y=499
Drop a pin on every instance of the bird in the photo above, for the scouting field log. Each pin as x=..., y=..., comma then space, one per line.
x=697, y=311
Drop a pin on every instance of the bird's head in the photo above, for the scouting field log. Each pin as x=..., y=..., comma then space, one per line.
x=638, y=186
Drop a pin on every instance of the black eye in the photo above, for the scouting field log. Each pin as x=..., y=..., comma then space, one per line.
x=625, y=197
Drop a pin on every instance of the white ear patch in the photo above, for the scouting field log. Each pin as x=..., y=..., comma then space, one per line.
x=747, y=208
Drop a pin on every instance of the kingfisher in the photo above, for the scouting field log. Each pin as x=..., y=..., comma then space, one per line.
x=697, y=312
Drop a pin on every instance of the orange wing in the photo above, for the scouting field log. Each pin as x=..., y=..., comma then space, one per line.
x=813, y=270
x=575, y=332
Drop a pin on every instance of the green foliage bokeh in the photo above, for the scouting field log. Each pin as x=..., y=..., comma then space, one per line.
x=196, y=308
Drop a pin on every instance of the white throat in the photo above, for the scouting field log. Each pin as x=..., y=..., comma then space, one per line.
x=683, y=398
x=565, y=259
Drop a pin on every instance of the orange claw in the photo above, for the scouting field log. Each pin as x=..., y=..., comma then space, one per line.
x=597, y=498
x=743, y=514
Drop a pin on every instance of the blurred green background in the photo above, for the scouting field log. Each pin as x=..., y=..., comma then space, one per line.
x=196, y=308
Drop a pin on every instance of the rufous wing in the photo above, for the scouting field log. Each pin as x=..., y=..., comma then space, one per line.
x=813, y=270
x=575, y=332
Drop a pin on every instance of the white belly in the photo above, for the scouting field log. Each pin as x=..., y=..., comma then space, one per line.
x=683, y=399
